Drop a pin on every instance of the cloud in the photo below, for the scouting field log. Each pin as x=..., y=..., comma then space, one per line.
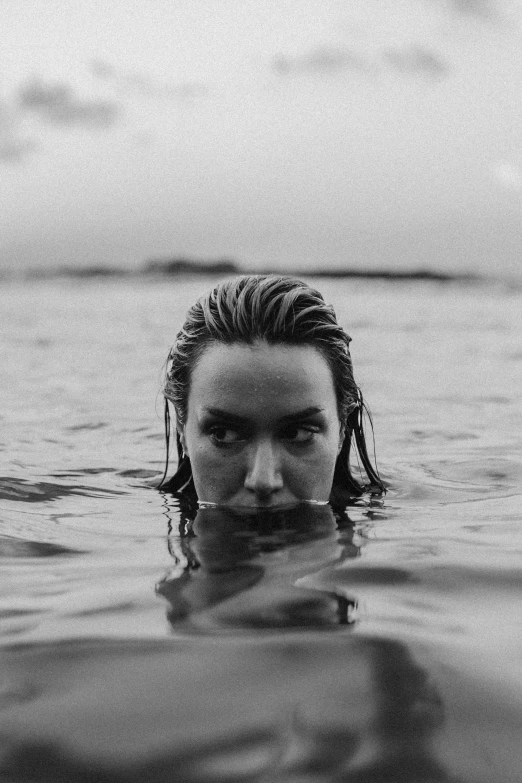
x=57, y=104
x=321, y=61
x=15, y=150
x=143, y=85
x=14, y=147
x=416, y=59
x=508, y=174
x=146, y=87
x=482, y=9
x=102, y=69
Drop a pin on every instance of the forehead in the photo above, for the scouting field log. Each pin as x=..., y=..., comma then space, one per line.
x=261, y=380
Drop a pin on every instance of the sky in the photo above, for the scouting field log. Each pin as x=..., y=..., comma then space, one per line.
x=290, y=134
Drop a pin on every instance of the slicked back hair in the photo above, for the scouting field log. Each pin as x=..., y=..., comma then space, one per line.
x=276, y=310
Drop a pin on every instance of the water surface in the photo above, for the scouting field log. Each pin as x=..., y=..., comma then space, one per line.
x=380, y=645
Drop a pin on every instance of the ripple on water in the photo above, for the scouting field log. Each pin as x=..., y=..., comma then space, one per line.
x=36, y=492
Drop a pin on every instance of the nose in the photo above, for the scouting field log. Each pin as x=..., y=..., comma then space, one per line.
x=263, y=475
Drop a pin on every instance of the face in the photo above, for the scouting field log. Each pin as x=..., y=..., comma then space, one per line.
x=262, y=427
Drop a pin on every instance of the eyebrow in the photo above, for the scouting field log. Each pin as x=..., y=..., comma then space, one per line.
x=306, y=413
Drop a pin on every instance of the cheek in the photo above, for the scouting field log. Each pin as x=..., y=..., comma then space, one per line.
x=315, y=471
x=215, y=475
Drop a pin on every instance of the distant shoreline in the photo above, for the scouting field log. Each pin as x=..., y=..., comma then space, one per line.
x=187, y=267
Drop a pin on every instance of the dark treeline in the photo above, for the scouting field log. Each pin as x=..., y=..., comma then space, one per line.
x=189, y=267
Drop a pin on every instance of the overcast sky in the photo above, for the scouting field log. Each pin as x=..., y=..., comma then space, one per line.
x=292, y=133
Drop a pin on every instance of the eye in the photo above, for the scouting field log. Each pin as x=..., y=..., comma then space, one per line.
x=299, y=433
x=224, y=436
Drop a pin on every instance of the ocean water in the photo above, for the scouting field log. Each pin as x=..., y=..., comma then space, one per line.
x=385, y=645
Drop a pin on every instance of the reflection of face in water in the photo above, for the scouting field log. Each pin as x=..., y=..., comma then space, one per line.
x=241, y=570
x=319, y=703
x=262, y=428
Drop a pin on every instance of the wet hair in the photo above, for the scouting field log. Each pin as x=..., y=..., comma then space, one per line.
x=277, y=310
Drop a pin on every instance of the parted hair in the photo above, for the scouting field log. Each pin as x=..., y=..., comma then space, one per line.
x=277, y=310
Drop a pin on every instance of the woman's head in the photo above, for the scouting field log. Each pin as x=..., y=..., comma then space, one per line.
x=262, y=384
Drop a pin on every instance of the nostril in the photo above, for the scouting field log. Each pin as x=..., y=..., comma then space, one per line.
x=262, y=487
